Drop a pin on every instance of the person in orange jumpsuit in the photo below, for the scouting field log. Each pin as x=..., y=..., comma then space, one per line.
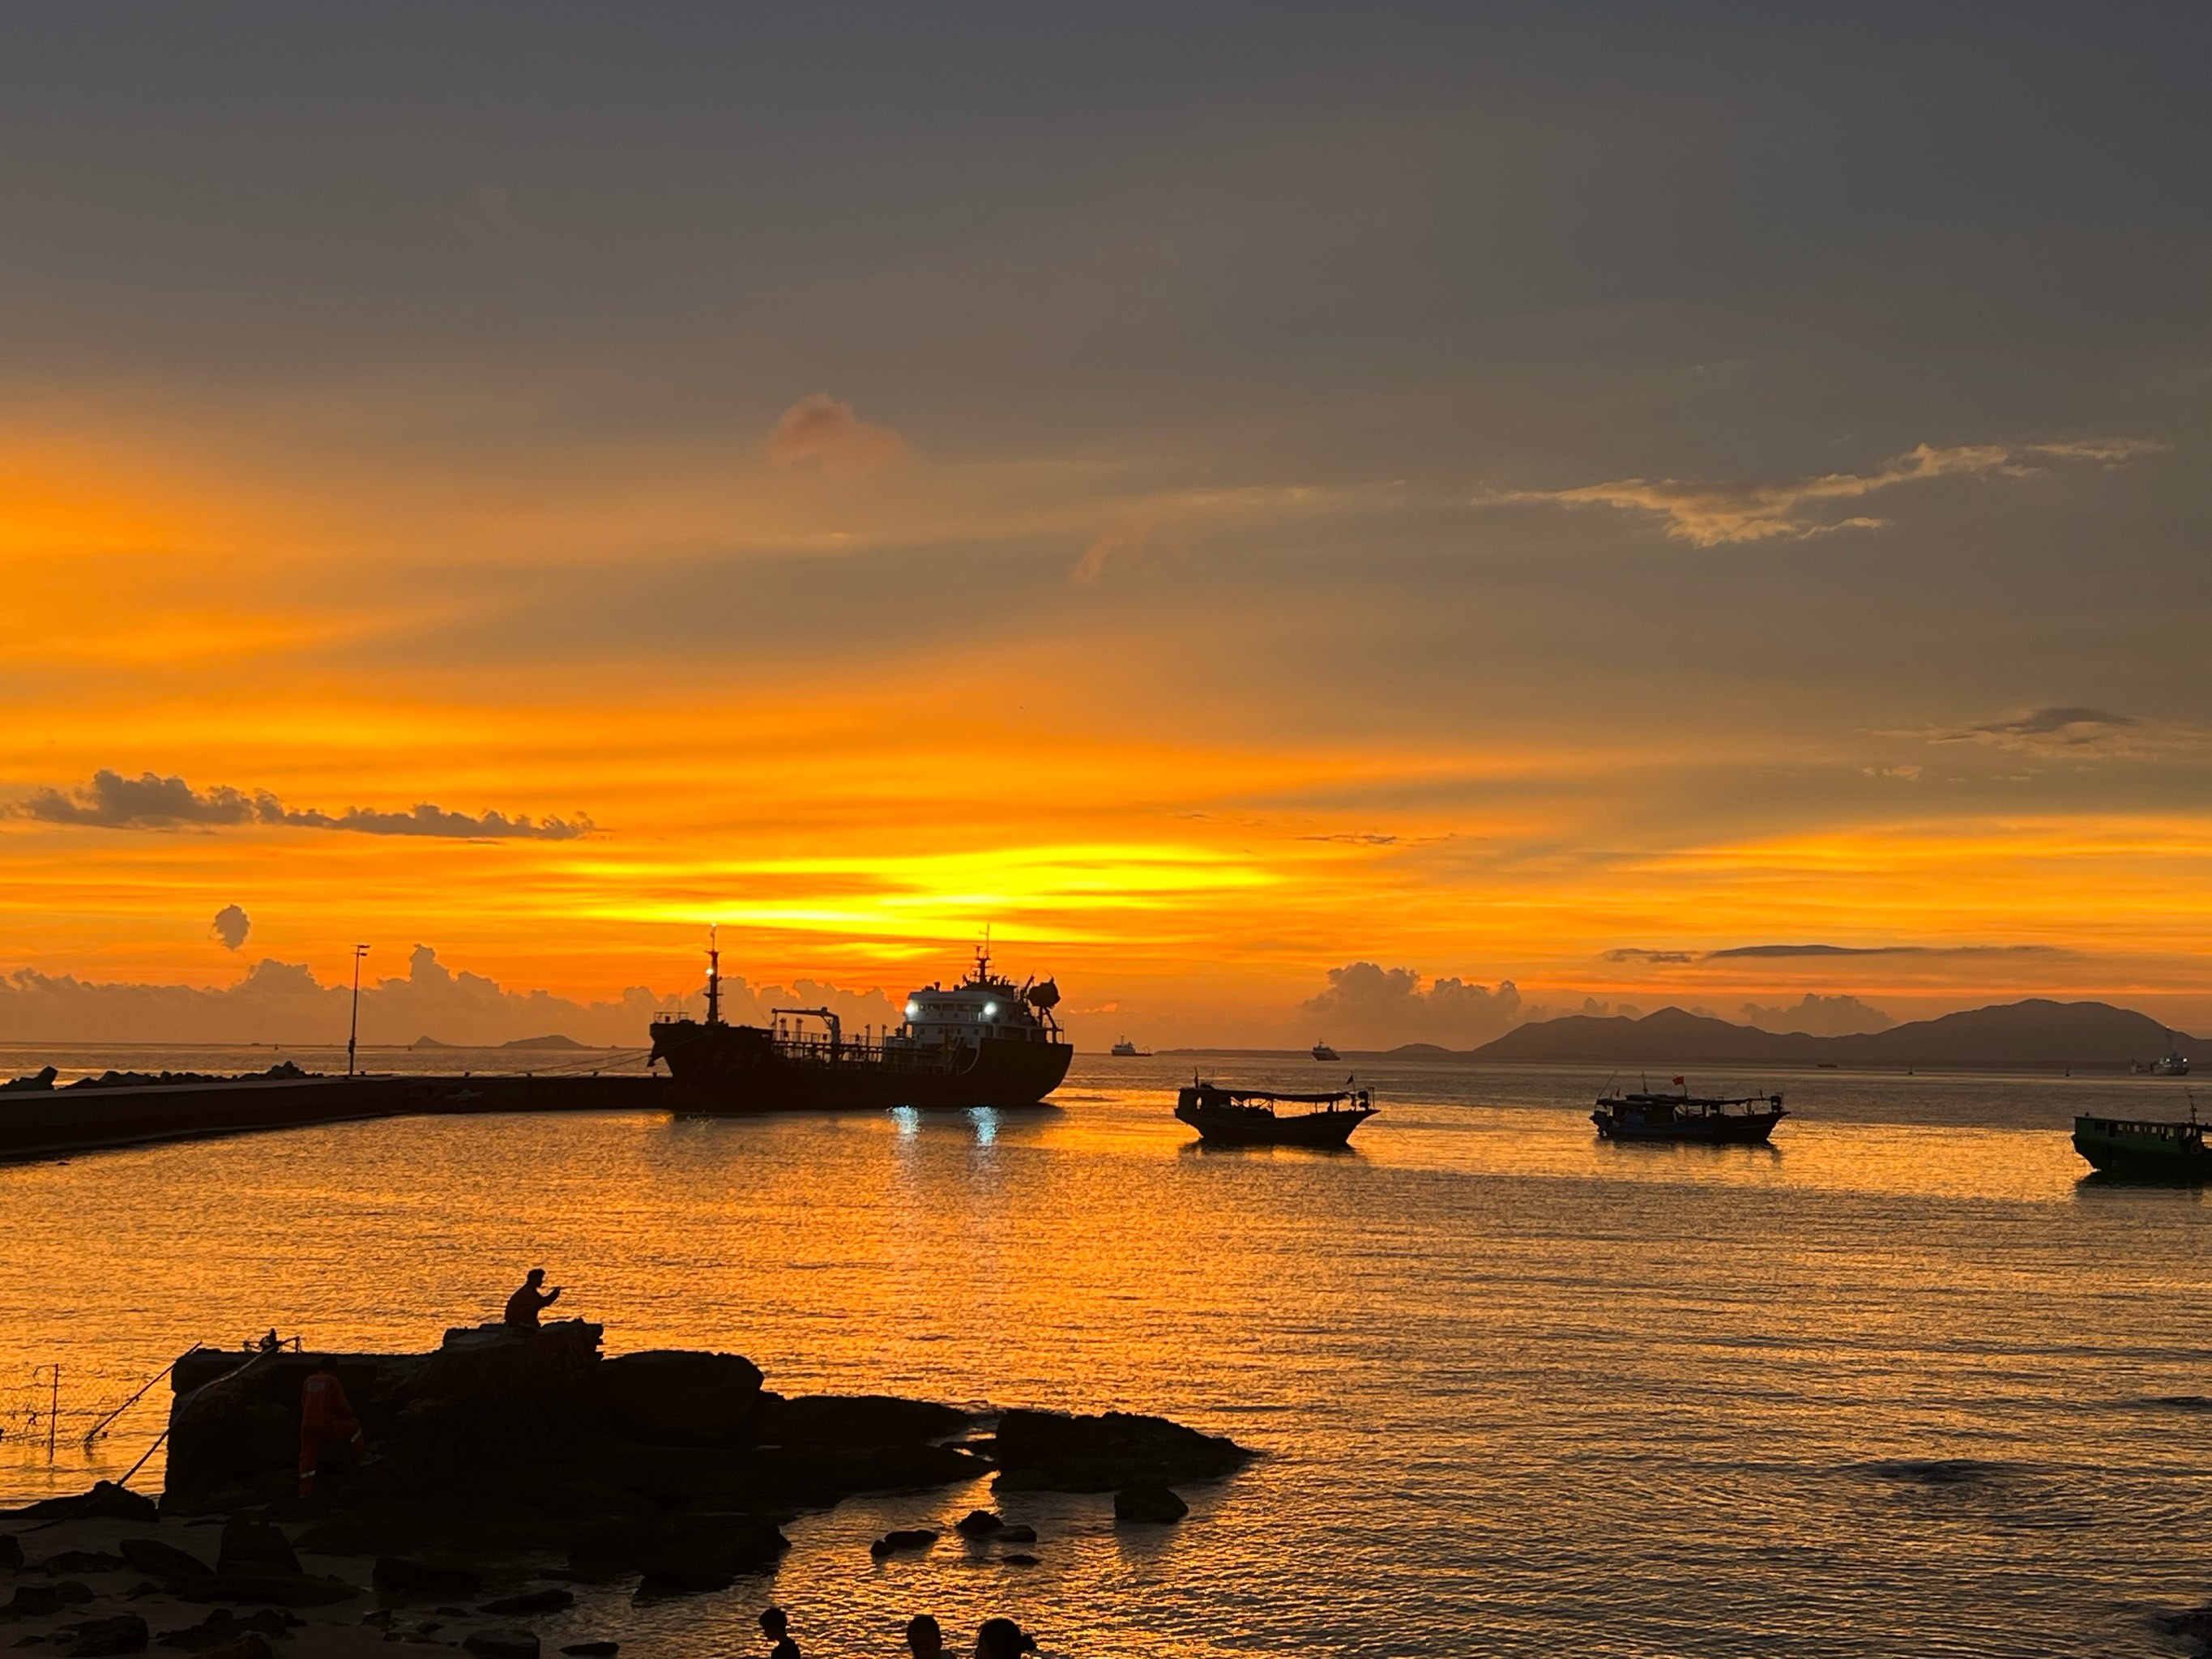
x=326, y=1418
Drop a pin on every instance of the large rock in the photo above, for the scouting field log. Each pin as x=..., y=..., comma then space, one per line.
x=505, y=1644
x=854, y=1420
x=253, y=1546
x=403, y=1575
x=105, y=1501
x=165, y=1561
x=683, y=1399
x=709, y=1555
x=1054, y=1451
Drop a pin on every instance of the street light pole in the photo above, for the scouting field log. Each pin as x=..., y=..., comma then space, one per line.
x=353, y=1035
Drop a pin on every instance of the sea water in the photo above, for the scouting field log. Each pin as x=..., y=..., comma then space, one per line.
x=1904, y=1383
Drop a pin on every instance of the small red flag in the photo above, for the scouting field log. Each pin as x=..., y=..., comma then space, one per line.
x=1680, y=1080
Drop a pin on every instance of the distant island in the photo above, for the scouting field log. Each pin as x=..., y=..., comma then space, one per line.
x=554, y=1041
x=2038, y=1033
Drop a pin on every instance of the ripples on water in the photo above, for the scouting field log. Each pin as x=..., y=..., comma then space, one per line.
x=1902, y=1385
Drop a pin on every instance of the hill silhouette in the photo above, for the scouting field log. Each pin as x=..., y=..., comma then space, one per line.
x=2038, y=1033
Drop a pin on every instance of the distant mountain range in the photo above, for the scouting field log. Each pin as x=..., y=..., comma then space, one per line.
x=2038, y=1033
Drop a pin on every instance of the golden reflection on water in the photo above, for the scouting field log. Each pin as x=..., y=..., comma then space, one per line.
x=1518, y=1389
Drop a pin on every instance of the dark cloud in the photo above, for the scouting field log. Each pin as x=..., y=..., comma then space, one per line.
x=1372, y=1005
x=2082, y=734
x=1885, y=950
x=231, y=926
x=112, y=801
x=1819, y=1016
x=1637, y=953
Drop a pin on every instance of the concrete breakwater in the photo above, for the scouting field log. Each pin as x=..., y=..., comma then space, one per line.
x=37, y=1122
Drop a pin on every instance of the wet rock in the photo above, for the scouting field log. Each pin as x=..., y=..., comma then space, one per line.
x=979, y=1523
x=519, y=1607
x=1056, y=1451
x=403, y=1575
x=710, y=1556
x=905, y=1539
x=505, y=1643
x=105, y=1501
x=160, y=1560
x=1017, y=1535
x=254, y=1546
x=1019, y=1559
x=126, y=1633
x=1148, y=1501
x=81, y=1561
x=592, y=1650
x=686, y=1399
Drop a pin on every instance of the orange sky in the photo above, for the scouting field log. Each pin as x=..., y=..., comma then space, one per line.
x=1207, y=562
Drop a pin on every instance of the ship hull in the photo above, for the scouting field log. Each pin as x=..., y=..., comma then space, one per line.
x=1240, y=1128
x=734, y=1071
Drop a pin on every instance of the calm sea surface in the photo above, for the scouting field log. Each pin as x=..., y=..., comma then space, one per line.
x=1903, y=1384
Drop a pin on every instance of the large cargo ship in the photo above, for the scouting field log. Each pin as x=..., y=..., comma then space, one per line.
x=984, y=1041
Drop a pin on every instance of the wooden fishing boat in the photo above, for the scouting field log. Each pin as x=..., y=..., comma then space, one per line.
x=1740, y=1119
x=1248, y=1117
x=2144, y=1148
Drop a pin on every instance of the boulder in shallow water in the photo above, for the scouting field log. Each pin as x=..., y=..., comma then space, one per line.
x=1149, y=1501
x=124, y=1633
x=979, y=1523
x=849, y=1422
x=902, y=1541
x=512, y=1642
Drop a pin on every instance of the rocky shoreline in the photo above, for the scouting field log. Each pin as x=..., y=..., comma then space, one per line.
x=508, y=1473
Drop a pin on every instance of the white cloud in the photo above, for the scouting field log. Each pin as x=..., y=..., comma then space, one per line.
x=1368, y=1005
x=1709, y=514
x=284, y=1002
x=1818, y=1015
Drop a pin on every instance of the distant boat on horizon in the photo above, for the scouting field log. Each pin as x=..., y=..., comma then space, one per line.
x=1129, y=1050
x=1323, y=1051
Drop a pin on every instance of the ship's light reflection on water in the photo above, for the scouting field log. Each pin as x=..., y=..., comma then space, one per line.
x=1903, y=1384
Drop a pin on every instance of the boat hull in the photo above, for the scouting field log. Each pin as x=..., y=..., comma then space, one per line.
x=2143, y=1151
x=1733, y=1129
x=1233, y=1127
x=739, y=1070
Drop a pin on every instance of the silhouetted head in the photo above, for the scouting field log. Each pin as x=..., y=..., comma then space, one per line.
x=774, y=1623
x=923, y=1638
x=327, y=1362
x=535, y=1276
x=1002, y=1639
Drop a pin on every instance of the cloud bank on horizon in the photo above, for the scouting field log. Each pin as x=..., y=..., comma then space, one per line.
x=150, y=801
